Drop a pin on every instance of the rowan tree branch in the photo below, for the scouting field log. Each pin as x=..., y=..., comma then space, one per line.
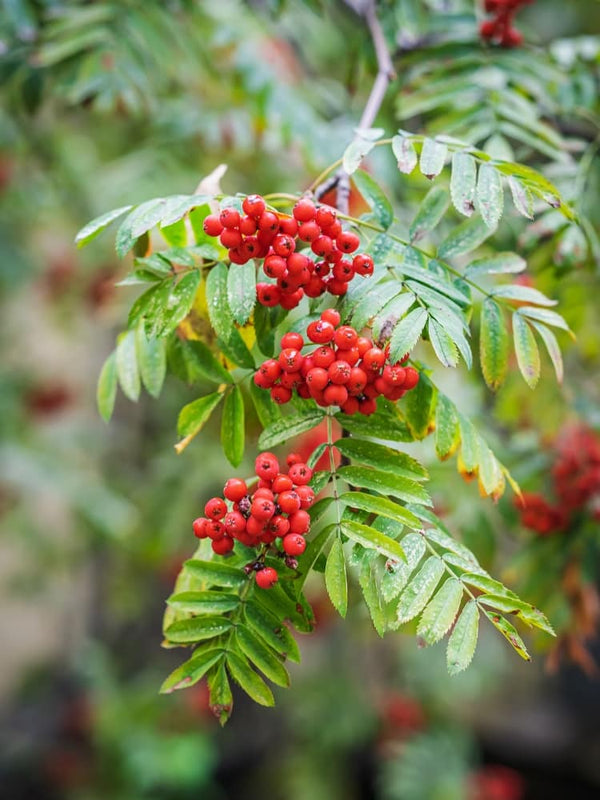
x=385, y=74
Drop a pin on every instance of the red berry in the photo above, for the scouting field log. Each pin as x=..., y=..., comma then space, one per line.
x=297, y=263
x=199, y=526
x=339, y=372
x=215, y=508
x=348, y=242
x=299, y=522
x=229, y=217
x=267, y=294
x=315, y=287
x=289, y=502
x=337, y=287
x=304, y=210
x=279, y=525
x=289, y=301
x=293, y=458
x=367, y=406
x=248, y=226
x=283, y=245
x=266, y=577
x=306, y=495
x=288, y=225
x=266, y=466
x=292, y=340
x=487, y=29
x=345, y=337
x=268, y=221
x=214, y=529
x=254, y=527
x=223, y=546
x=351, y=406
x=332, y=316
x=212, y=225
x=254, y=205
x=294, y=544
x=274, y=266
x=358, y=380
x=363, y=345
x=290, y=359
x=363, y=264
x=282, y=483
x=308, y=231
x=301, y=474
x=335, y=395
x=230, y=238
x=317, y=378
x=281, y=395
x=264, y=490
x=343, y=271
x=326, y=216
x=322, y=269
x=235, y=489
x=320, y=331
x=373, y=359
x=394, y=375
x=322, y=246
x=323, y=356
x=262, y=509
x=271, y=369
x=411, y=379
x=234, y=523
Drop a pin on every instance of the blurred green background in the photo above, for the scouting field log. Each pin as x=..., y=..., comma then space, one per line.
x=106, y=103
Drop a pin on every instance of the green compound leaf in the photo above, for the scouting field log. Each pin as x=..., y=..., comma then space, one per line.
x=191, y=671
x=215, y=573
x=378, y=455
x=373, y=194
x=272, y=630
x=372, y=595
x=464, y=238
x=430, y=212
x=381, y=506
x=96, y=226
x=441, y=612
x=197, y=629
x=447, y=433
x=420, y=589
x=221, y=317
x=221, y=699
x=242, y=673
x=463, y=639
x=196, y=414
x=382, y=482
x=442, y=344
x=106, y=391
x=232, y=427
x=207, y=602
x=287, y=427
x=552, y=347
x=433, y=158
x=127, y=366
x=405, y=153
x=261, y=656
x=528, y=354
x=406, y=334
x=396, y=574
x=373, y=540
x=490, y=196
x=152, y=360
x=241, y=290
x=509, y=632
x=493, y=344
x=336, y=581
x=462, y=182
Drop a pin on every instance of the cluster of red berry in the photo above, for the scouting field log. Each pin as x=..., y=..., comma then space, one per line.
x=576, y=479
x=277, y=239
x=345, y=370
x=275, y=509
x=499, y=29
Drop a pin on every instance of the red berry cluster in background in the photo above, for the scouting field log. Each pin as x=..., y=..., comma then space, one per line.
x=345, y=369
x=275, y=510
x=576, y=483
x=499, y=29
x=277, y=238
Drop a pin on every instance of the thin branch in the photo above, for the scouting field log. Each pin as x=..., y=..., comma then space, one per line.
x=385, y=74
